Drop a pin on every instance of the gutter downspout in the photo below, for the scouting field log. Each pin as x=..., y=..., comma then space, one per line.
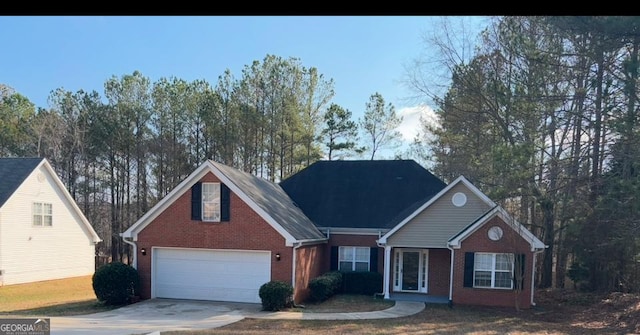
x=135, y=251
x=451, y=276
x=385, y=277
x=533, y=274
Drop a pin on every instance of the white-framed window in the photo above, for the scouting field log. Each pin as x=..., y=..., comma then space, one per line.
x=211, y=202
x=42, y=214
x=354, y=258
x=493, y=270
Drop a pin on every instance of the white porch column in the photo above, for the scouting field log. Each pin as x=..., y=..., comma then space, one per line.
x=387, y=270
x=451, y=276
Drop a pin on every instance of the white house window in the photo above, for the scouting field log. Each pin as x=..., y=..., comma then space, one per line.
x=492, y=270
x=353, y=258
x=42, y=214
x=211, y=202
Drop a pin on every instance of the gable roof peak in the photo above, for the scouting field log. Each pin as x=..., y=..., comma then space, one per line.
x=418, y=209
x=13, y=171
x=509, y=220
x=263, y=196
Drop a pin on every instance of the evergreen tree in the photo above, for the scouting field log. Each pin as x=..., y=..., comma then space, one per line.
x=340, y=131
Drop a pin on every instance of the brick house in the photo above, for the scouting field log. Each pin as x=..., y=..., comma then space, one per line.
x=222, y=233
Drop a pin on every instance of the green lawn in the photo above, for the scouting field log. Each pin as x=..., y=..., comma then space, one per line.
x=71, y=296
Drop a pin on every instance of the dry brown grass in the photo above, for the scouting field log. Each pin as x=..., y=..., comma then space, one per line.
x=558, y=312
x=436, y=319
x=577, y=314
x=70, y=296
x=346, y=303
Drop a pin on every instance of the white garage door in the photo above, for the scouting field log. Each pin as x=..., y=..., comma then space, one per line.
x=219, y=275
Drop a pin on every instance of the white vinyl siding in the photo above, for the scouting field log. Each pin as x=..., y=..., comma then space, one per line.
x=354, y=258
x=211, y=202
x=30, y=253
x=435, y=225
x=493, y=270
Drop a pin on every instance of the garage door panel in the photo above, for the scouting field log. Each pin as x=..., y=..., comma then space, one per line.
x=207, y=293
x=219, y=275
x=240, y=267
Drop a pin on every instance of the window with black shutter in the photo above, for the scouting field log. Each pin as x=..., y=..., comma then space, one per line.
x=225, y=203
x=468, y=269
x=210, y=202
x=196, y=201
x=492, y=270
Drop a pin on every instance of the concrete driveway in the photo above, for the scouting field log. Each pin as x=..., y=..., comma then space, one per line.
x=157, y=315
x=154, y=315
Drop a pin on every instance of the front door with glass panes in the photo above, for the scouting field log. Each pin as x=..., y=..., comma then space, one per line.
x=410, y=270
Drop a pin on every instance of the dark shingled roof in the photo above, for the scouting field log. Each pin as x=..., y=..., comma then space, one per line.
x=273, y=200
x=361, y=193
x=13, y=171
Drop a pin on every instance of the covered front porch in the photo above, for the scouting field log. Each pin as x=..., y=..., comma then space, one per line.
x=417, y=274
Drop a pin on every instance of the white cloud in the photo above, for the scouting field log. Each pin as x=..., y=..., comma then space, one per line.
x=411, y=124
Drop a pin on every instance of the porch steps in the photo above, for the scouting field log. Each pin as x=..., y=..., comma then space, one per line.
x=429, y=299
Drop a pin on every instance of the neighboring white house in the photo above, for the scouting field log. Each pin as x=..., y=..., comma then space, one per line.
x=43, y=233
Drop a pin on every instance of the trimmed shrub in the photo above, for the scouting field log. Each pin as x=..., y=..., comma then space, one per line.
x=323, y=287
x=367, y=283
x=115, y=283
x=276, y=295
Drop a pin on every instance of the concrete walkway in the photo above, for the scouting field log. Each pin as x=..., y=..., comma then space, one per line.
x=400, y=309
x=158, y=315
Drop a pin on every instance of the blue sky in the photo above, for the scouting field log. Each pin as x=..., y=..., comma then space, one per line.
x=363, y=54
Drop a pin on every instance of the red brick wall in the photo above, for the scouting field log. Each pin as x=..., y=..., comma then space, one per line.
x=511, y=242
x=354, y=241
x=309, y=265
x=246, y=231
x=439, y=271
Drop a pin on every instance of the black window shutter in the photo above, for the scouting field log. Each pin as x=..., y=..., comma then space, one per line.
x=373, y=259
x=469, y=258
x=225, y=201
x=519, y=266
x=196, y=201
x=334, y=259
